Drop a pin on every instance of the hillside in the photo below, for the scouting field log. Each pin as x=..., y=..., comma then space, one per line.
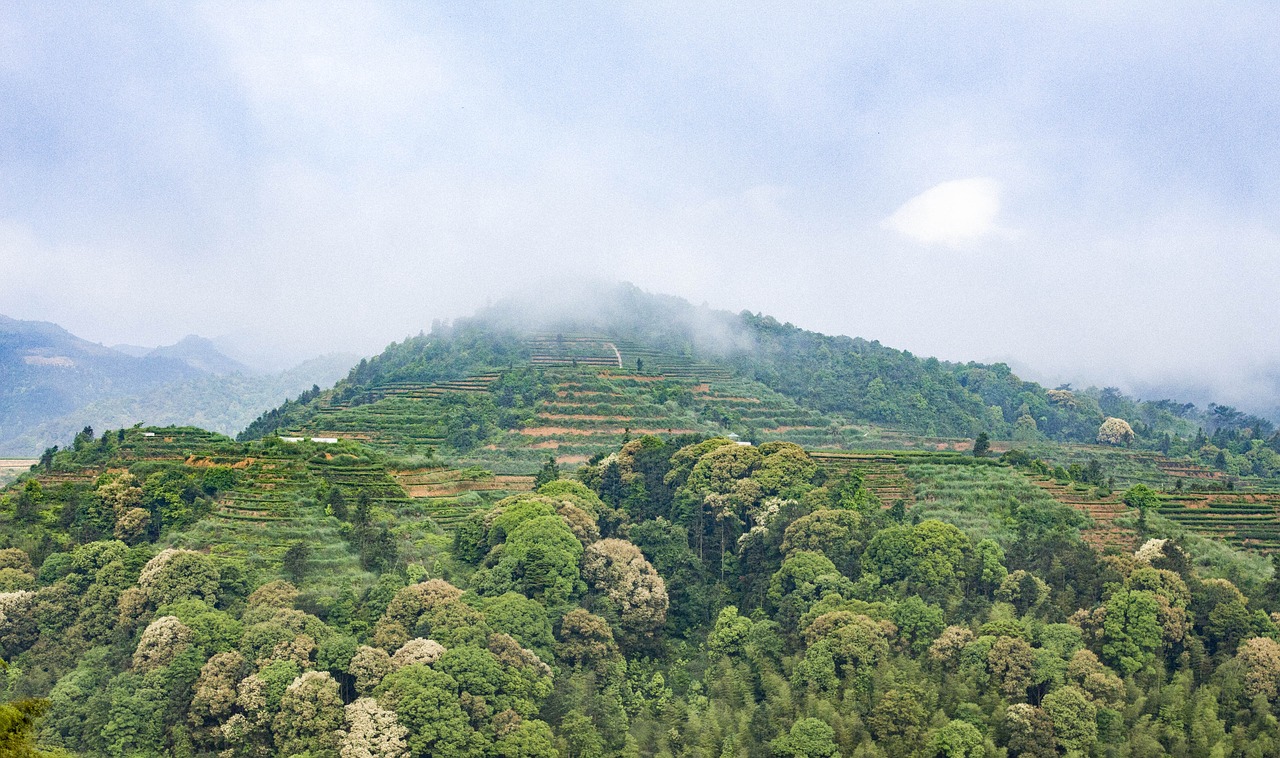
x=171, y=590
x=52, y=384
x=519, y=378
x=616, y=540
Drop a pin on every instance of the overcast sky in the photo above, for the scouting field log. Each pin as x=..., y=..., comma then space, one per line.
x=1088, y=190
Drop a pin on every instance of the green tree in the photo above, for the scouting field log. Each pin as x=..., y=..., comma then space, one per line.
x=426, y=703
x=981, y=445
x=1030, y=732
x=530, y=739
x=310, y=716
x=1074, y=718
x=808, y=738
x=297, y=562
x=1131, y=631
x=958, y=739
x=540, y=559
x=548, y=473
x=1141, y=496
x=17, y=727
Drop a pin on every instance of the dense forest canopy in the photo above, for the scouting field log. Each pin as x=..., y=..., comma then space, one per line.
x=678, y=596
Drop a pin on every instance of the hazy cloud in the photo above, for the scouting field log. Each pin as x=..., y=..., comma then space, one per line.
x=335, y=175
x=952, y=213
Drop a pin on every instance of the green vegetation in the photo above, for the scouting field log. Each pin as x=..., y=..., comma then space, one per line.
x=516, y=545
x=174, y=591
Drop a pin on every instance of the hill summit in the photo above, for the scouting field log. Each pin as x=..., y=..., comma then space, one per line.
x=577, y=375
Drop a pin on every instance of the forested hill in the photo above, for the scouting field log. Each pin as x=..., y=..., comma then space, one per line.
x=851, y=379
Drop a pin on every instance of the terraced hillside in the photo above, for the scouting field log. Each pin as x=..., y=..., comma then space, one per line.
x=10, y=468
x=1242, y=511
x=884, y=474
x=1247, y=520
x=267, y=512
x=983, y=500
x=1128, y=467
x=275, y=496
x=574, y=350
x=448, y=496
x=953, y=486
x=1105, y=531
x=509, y=422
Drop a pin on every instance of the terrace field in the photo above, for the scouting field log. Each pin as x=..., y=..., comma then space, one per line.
x=11, y=468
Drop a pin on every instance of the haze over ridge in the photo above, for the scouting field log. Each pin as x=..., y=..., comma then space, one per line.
x=1085, y=193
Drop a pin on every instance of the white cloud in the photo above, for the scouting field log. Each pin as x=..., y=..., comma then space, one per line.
x=950, y=213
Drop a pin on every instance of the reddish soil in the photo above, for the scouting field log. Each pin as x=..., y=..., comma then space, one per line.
x=554, y=431
x=1104, y=532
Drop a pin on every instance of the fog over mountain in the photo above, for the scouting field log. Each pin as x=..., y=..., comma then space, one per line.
x=1088, y=191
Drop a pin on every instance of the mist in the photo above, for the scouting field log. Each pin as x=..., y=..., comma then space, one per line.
x=1083, y=191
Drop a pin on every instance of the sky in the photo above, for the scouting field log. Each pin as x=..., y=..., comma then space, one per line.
x=1088, y=191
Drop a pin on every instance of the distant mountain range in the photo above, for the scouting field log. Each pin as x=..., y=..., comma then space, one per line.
x=53, y=384
x=197, y=352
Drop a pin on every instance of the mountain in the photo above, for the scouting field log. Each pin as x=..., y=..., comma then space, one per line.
x=47, y=372
x=52, y=384
x=520, y=380
x=201, y=354
x=137, y=351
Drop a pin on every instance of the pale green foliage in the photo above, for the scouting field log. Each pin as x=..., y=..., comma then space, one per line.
x=729, y=637
x=835, y=533
x=946, y=648
x=417, y=650
x=215, y=690
x=586, y=640
x=619, y=572
x=178, y=574
x=1260, y=659
x=1097, y=681
x=1115, y=431
x=162, y=641
x=369, y=665
x=1023, y=590
x=1011, y=662
x=310, y=716
x=372, y=732
x=275, y=594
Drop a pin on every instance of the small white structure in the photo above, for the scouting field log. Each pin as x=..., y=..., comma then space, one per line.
x=290, y=439
x=325, y=440
x=148, y=434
